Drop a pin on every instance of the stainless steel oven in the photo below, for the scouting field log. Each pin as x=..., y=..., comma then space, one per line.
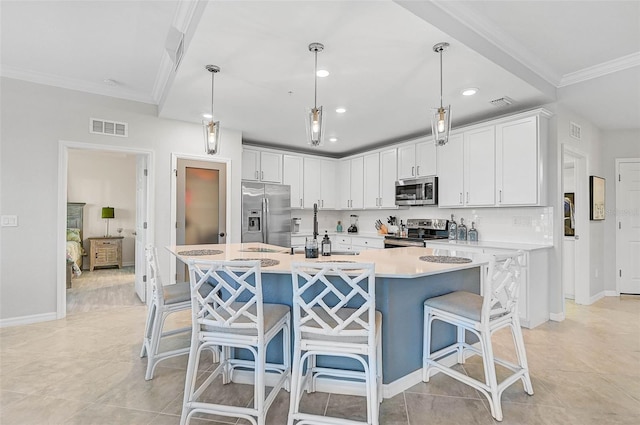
x=422, y=191
x=419, y=230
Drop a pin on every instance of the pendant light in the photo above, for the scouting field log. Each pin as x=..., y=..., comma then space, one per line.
x=441, y=118
x=315, y=123
x=212, y=128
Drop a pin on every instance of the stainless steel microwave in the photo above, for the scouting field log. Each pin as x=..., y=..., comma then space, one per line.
x=422, y=191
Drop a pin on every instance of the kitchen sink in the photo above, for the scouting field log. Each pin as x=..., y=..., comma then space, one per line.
x=344, y=253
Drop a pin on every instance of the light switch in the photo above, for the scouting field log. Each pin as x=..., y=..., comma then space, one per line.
x=9, y=221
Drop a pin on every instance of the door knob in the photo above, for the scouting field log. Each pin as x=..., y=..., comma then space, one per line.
x=576, y=237
x=221, y=234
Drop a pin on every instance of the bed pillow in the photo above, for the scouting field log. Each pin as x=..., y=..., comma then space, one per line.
x=74, y=235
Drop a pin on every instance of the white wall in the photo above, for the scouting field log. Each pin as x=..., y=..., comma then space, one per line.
x=617, y=144
x=103, y=179
x=35, y=118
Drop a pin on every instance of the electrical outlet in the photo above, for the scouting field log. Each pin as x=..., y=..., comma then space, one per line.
x=9, y=221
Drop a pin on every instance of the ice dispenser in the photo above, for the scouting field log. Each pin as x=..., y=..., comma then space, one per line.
x=253, y=224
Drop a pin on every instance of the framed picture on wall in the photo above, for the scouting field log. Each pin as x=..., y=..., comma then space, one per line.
x=596, y=197
x=569, y=214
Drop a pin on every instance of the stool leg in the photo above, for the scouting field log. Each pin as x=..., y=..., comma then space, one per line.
x=460, y=332
x=490, y=374
x=296, y=377
x=190, y=379
x=426, y=344
x=518, y=341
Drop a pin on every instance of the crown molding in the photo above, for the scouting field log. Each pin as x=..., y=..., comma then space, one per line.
x=614, y=65
x=74, y=84
x=499, y=39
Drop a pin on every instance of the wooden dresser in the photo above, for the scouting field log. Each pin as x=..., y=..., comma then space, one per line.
x=105, y=251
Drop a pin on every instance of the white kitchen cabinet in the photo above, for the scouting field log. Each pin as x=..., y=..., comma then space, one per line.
x=466, y=167
x=380, y=171
x=261, y=166
x=293, y=175
x=517, y=159
x=350, y=172
x=319, y=185
x=356, y=243
x=479, y=167
x=417, y=160
x=451, y=172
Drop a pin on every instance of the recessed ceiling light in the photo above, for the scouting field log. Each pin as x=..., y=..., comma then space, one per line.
x=333, y=139
x=341, y=110
x=322, y=73
x=207, y=116
x=470, y=91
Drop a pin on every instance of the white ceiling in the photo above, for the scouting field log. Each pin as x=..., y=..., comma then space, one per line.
x=585, y=54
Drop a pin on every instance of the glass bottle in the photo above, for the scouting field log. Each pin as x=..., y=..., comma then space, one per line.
x=339, y=227
x=453, y=229
x=462, y=230
x=311, y=248
x=473, y=232
x=326, y=245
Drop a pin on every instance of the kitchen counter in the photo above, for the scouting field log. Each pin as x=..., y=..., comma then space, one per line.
x=403, y=282
x=456, y=244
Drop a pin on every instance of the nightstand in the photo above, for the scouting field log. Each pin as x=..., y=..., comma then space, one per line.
x=105, y=251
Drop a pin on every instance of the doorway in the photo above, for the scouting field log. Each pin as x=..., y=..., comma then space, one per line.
x=142, y=222
x=628, y=226
x=199, y=195
x=575, y=243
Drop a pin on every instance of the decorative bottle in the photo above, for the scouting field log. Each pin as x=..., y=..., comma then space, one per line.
x=326, y=245
x=453, y=229
x=473, y=232
x=462, y=230
x=339, y=227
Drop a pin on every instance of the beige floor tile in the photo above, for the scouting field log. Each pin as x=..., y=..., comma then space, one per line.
x=347, y=406
x=99, y=414
x=440, y=410
x=23, y=409
x=441, y=384
x=393, y=411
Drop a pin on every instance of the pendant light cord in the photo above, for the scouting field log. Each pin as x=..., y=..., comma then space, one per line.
x=315, y=86
x=441, y=49
x=213, y=75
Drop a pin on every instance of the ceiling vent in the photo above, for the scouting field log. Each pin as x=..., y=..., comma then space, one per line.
x=502, y=102
x=575, y=131
x=110, y=128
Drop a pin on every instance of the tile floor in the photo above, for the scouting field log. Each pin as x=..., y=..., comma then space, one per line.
x=85, y=369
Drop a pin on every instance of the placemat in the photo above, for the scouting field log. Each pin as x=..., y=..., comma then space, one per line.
x=264, y=262
x=196, y=252
x=445, y=259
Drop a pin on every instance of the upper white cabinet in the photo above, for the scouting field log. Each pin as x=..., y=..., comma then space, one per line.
x=380, y=174
x=417, y=160
x=496, y=164
x=517, y=153
x=261, y=166
x=350, y=172
x=319, y=186
x=293, y=175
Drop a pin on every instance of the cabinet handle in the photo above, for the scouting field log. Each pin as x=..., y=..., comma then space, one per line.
x=418, y=170
x=467, y=197
x=500, y=197
x=412, y=168
x=460, y=198
x=322, y=203
x=300, y=202
x=256, y=175
x=262, y=175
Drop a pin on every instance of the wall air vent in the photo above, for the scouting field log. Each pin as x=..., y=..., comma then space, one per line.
x=502, y=102
x=575, y=131
x=109, y=128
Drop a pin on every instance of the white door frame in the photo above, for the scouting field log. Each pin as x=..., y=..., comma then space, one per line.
x=581, y=273
x=63, y=164
x=174, y=198
x=618, y=211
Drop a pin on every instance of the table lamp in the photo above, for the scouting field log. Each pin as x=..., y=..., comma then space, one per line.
x=108, y=213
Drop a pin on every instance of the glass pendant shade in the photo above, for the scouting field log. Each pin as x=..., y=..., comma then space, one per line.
x=212, y=128
x=441, y=125
x=211, y=137
x=315, y=126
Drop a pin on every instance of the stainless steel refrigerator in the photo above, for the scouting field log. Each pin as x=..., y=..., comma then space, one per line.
x=266, y=213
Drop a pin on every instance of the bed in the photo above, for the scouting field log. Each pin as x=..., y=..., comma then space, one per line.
x=74, y=250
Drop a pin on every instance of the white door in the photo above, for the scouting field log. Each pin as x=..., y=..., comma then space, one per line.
x=141, y=226
x=628, y=227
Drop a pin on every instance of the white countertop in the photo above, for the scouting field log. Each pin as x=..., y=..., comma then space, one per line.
x=488, y=244
x=305, y=233
x=394, y=263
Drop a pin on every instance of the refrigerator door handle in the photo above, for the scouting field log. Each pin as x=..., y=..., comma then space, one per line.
x=265, y=220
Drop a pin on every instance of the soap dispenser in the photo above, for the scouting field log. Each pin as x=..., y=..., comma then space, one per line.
x=453, y=229
x=326, y=245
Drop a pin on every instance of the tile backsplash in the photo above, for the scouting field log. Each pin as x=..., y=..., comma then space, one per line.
x=525, y=224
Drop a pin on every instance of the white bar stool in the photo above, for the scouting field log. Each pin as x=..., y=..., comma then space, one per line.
x=481, y=315
x=334, y=315
x=232, y=315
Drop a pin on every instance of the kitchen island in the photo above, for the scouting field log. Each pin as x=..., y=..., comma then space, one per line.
x=403, y=282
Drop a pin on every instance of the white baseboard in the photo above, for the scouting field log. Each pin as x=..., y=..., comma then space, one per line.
x=611, y=293
x=337, y=386
x=556, y=317
x=596, y=297
x=128, y=264
x=27, y=320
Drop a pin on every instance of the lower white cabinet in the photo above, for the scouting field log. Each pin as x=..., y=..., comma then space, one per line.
x=356, y=243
